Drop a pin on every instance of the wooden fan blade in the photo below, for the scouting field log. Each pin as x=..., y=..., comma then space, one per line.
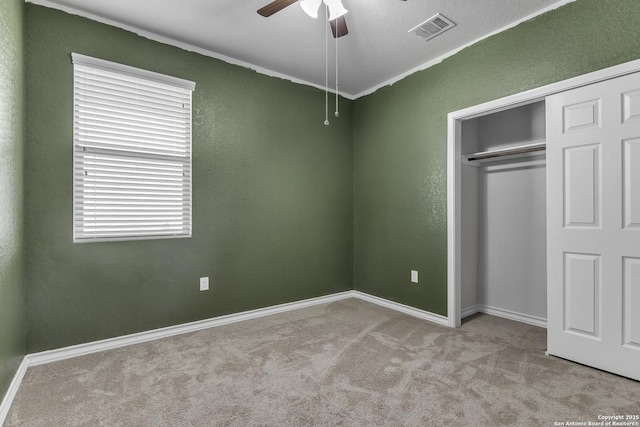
x=275, y=6
x=339, y=27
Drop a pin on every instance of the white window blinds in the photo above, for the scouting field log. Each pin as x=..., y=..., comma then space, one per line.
x=132, y=153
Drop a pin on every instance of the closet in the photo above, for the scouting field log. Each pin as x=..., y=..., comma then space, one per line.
x=543, y=197
x=503, y=210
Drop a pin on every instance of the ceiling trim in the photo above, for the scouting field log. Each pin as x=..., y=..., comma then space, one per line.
x=182, y=45
x=271, y=73
x=441, y=58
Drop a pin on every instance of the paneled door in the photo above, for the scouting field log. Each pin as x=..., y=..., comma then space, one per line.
x=593, y=225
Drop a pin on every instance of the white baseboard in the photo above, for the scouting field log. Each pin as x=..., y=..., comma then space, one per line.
x=466, y=312
x=154, y=334
x=55, y=355
x=13, y=389
x=506, y=314
x=412, y=311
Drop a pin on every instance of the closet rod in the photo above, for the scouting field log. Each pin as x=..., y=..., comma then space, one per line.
x=522, y=149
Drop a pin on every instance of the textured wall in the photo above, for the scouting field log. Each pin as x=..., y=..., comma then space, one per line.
x=12, y=305
x=273, y=186
x=272, y=196
x=400, y=135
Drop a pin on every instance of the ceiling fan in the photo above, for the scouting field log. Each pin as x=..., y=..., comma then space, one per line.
x=338, y=23
x=311, y=7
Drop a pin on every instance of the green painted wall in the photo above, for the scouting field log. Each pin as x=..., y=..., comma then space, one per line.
x=277, y=195
x=400, y=135
x=272, y=196
x=12, y=287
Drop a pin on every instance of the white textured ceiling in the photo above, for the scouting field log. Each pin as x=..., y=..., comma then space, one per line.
x=377, y=51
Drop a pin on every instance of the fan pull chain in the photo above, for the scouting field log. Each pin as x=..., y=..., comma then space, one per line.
x=326, y=68
x=337, y=113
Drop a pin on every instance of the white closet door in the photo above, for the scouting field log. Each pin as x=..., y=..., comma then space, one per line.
x=593, y=225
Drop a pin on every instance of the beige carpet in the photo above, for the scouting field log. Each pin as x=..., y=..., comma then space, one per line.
x=347, y=363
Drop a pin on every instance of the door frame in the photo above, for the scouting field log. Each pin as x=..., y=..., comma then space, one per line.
x=454, y=165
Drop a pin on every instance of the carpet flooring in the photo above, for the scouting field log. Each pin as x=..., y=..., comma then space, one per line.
x=347, y=363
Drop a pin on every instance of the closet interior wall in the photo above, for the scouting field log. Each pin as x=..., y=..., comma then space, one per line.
x=504, y=217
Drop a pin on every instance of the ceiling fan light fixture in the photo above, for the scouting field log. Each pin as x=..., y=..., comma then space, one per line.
x=336, y=9
x=311, y=7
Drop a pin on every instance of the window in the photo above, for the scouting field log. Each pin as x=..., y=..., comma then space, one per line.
x=132, y=153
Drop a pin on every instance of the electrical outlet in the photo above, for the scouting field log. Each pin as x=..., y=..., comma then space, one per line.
x=204, y=283
x=414, y=276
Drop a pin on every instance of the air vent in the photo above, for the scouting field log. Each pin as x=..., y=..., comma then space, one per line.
x=433, y=26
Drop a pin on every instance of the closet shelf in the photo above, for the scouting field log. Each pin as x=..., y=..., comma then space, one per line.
x=534, y=149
